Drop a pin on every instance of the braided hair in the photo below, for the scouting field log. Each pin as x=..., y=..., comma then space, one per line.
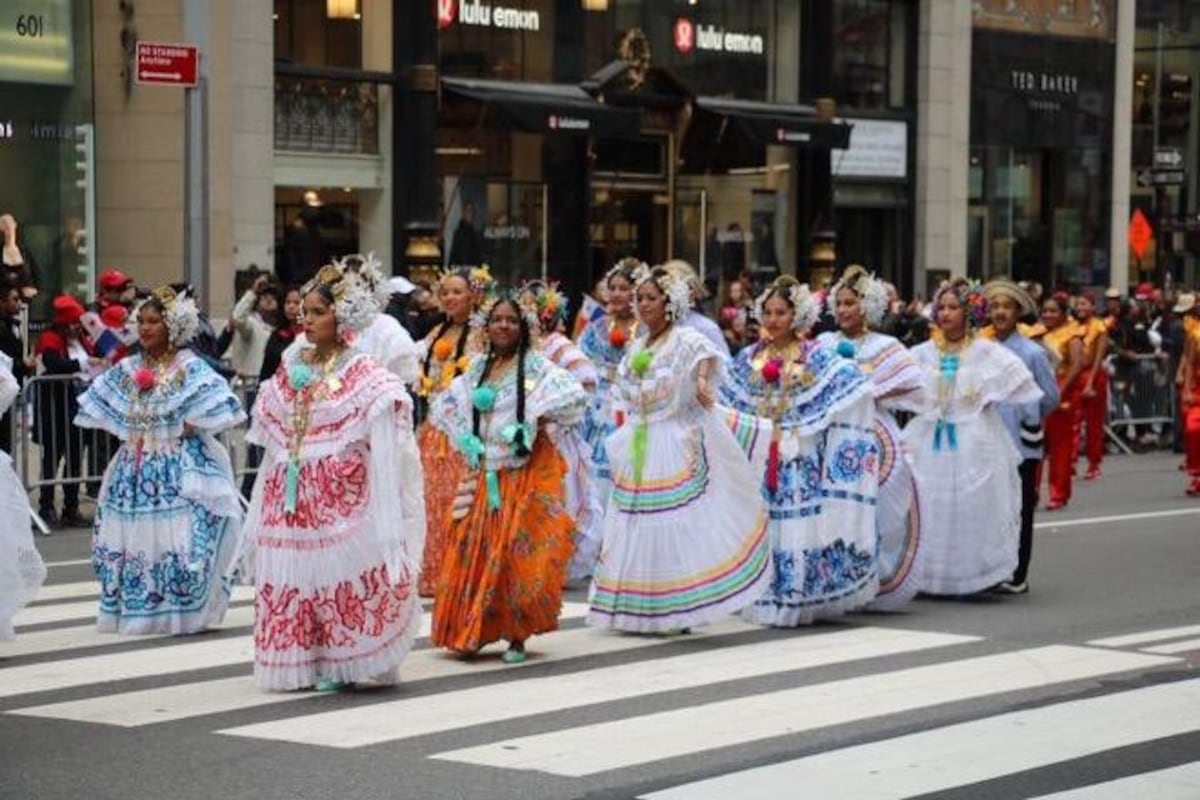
x=521, y=446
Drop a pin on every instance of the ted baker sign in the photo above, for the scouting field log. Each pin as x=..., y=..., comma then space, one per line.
x=689, y=36
x=479, y=14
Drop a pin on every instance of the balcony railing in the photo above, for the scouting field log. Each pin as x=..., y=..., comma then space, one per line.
x=326, y=115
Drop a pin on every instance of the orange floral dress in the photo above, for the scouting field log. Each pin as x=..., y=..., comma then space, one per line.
x=443, y=467
x=506, y=561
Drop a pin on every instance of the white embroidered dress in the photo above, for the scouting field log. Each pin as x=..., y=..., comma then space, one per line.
x=965, y=464
x=21, y=567
x=685, y=541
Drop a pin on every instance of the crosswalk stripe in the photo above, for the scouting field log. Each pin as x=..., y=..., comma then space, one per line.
x=78, y=637
x=184, y=657
x=1176, y=783
x=60, y=591
x=1144, y=637
x=1185, y=646
x=75, y=562
x=63, y=612
x=402, y=719
x=166, y=704
x=967, y=753
x=589, y=749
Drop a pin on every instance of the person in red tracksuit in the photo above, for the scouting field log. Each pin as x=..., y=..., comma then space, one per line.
x=1189, y=375
x=1064, y=339
x=1093, y=381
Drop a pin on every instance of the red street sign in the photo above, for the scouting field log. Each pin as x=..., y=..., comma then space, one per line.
x=1140, y=233
x=168, y=64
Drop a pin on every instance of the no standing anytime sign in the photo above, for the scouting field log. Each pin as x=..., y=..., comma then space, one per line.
x=167, y=64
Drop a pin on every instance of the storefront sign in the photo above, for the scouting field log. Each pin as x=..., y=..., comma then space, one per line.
x=878, y=149
x=1034, y=92
x=507, y=232
x=474, y=12
x=38, y=42
x=562, y=122
x=689, y=36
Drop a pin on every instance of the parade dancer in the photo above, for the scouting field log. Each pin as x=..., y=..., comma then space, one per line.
x=685, y=529
x=335, y=553
x=445, y=354
x=1189, y=372
x=1008, y=303
x=21, y=569
x=168, y=513
x=1064, y=338
x=859, y=302
x=963, y=459
x=508, y=546
x=821, y=474
x=1094, y=382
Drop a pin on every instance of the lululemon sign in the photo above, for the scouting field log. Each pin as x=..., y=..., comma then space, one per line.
x=688, y=37
x=483, y=15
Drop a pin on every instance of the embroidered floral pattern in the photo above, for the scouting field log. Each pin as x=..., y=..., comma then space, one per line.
x=333, y=616
x=819, y=575
x=331, y=489
x=853, y=458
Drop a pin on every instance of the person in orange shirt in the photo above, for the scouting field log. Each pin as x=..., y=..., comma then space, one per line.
x=1189, y=370
x=1094, y=383
x=1064, y=338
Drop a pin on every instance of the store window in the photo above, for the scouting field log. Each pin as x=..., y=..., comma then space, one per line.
x=869, y=47
x=47, y=145
x=306, y=33
x=513, y=41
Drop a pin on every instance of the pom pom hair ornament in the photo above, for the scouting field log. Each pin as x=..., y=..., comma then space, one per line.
x=802, y=301
x=871, y=292
x=673, y=285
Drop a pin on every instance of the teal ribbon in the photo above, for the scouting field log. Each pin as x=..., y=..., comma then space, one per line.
x=292, y=486
x=472, y=448
x=510, y=432
x=493, y=490
x=947, y=429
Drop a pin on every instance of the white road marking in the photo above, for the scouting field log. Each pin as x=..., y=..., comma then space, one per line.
x=402, y=719
x=1146, y=637
x=1187, y=646
x=1176, y=783
x=589, y=749
x=971, y=752
x=1050, y=524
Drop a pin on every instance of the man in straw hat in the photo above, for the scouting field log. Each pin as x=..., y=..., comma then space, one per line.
x=1007, y=304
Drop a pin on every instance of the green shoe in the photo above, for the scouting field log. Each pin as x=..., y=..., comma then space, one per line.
x=330, y=685
x=513, y=657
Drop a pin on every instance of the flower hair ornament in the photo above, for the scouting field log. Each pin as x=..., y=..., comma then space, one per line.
x=629, y=268
x=354, y=303
x=803, y=302
x=970, y=296
x=478, y=278
x=369, y=270
x=872, y=293
x=180, y=314
x=524, y=299
x=673, y=285
x=550, y=302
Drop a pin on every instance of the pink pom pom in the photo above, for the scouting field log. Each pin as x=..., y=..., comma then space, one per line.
x=772, y=371
x=144, y=378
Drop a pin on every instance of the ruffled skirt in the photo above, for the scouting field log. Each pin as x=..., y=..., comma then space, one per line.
x=503, y=572
x=165, y=535
x=443, y=468
x=21, y=569
x=328, y=604
x=898, y=521
x=688, y=543
x=970, y=502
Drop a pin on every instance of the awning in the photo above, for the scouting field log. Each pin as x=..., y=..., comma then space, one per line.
x=773, y=123
x=546, y=108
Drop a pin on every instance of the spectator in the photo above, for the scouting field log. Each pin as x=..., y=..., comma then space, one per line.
x=12, y=346
x=19, y=266
x=61, y=351
x=466, y=248
x=116, y=289
x=254, y=318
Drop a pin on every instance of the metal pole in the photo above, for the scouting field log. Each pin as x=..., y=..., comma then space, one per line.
x=545, y=231
x=195, y=223
x=704, y=236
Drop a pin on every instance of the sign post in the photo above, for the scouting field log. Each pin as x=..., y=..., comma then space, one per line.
x=178, y=64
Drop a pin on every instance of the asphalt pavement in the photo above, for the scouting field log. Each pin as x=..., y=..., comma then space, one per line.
x=1084, y=688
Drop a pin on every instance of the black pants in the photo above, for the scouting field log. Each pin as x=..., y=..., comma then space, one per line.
x=1029, y=490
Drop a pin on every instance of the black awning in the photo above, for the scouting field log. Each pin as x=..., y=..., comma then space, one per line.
x=546, y=108
x=775, y=123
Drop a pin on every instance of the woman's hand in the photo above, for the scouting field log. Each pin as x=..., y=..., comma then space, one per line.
x=704, y=394
x=1089, y=392
x=189, y=429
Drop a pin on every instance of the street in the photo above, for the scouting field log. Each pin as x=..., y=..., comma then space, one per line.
x=1084, y=688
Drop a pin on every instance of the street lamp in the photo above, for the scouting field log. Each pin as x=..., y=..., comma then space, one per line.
x=595, y=5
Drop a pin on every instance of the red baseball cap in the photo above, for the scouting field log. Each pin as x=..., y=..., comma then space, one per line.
x=114, y=316
x=1144, y=291
x=114, y=279
x=67, y=310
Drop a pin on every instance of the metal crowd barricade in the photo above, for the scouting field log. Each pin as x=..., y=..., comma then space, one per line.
x=1142, y=392
x=244, y=456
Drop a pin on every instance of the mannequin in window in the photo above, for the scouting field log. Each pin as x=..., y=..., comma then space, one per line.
x=466, y=249
x=19, y=267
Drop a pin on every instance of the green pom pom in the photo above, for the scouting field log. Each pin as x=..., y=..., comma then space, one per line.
x=484, y=399
x=641, y=362
x=300, y=376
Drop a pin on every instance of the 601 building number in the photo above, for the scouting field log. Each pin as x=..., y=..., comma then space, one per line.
x=31, y=26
